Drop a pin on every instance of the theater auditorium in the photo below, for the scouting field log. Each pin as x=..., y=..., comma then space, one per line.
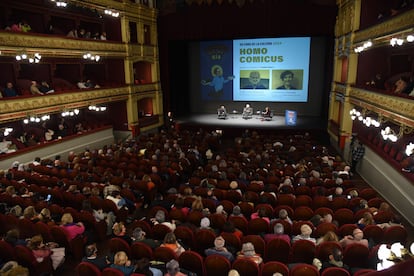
x=206, y=137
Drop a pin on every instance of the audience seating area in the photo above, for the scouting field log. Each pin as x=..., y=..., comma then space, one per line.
x=259, y=165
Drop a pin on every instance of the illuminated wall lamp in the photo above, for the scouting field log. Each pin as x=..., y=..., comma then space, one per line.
x=7, y=131
x=389, y=134
x=410, y=38
x=409, y=149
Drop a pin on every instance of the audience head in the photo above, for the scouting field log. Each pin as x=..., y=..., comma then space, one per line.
x=173, y=267
x=120, y=258
x=219, y=242
x=338, y=191
x=119, y=229
x=205, y=222
x=248, y=249
x=138, y=234
x=170, y=238
x=283, y=214
x=12, y=235
x=279, y=229
x=330, y=236
x=233, y=272
x=336, y=255
x=305, y=230
x=160, y=216
x=29, y=212
x=66, y=218
x=91, y=250
x=327, y=218
x=35, y=242
x=358, y=234
x=236, y=210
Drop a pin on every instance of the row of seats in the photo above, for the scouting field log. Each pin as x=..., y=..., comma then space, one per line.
x=277, y=256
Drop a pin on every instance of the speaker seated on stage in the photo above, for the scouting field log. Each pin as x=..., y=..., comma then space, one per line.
x=247, y=112
x=267, y=114
x=221, y=112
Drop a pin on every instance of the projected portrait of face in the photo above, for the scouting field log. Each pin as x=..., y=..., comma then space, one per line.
x=254, y=81
x=287, y=79
x=254, y=77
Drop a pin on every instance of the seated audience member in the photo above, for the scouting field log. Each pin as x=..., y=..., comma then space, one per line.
x=34, y=89
x=13, y=237
x=72, y=229
x=236, y=212
x=329, y=236
x=356, y=237
x=219, y=249
x=139, y=235
x=334, y=260
x=170, y=241
x=41, y=251
x=228, y=227
x=248, y=252
x=160, y=218
x=30, y=213
x=87, y=84
x=6, y=146
x=221, y=112
x=173, y=269
x=46, y=217
x=45, y=88
x=260, y=213
x=73, y=33
x=278, y=233
x=305, y=234
x=337, y=193
x=220, y=210
x=9, y=91
x=91, y=256
x=116, y=198
x=367, y=219
x=123, y=264
x=205, y=224
x=363, y=204
x=402, y=85
x=284, y=215
x=247, y=112
x=119, y=231
x=25, y=27
x=316, y=220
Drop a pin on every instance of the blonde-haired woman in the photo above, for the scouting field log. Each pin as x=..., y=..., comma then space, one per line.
x=72, y=229
x=122, y=263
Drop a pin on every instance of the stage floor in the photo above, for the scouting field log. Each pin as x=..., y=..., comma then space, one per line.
x=277, y=122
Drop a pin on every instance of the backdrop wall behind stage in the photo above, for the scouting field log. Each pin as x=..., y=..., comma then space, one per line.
x=207, y=93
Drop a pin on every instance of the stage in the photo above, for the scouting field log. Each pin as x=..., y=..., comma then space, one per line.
x=236, y=121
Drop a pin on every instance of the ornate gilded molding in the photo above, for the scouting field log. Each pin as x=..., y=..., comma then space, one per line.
x=339, y=88
x=397, y=108
x=345, y=18
x=13, y=43
x=394, y=24
x=17, y=108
